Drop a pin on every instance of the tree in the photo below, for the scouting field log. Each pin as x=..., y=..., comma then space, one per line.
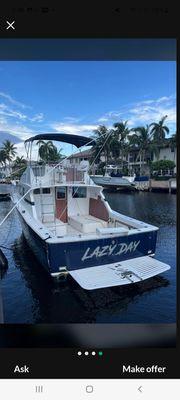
x=9, y=149
x=102, y=143
x=19, y=161
x=56, y=155
x=119, y=144
x=3, y=158
x=48, y=152
x=162, y=166
x=159, y=130
x=142, y=139
x=19, y=166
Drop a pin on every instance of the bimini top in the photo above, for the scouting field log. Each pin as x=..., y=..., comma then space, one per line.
x=77, y=140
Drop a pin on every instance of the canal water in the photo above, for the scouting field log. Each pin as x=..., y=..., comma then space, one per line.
x=29, y=296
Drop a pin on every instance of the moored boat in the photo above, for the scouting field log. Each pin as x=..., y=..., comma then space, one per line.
x=72, y=229
x=112, y=179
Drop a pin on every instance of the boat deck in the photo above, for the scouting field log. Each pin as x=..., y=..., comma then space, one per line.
x=84, y=225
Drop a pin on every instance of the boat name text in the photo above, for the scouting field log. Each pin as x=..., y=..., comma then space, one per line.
x=112, y=249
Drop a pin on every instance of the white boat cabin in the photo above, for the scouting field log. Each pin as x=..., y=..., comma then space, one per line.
x=66, y=202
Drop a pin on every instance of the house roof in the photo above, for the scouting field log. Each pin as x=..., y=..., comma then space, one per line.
x=85, y=153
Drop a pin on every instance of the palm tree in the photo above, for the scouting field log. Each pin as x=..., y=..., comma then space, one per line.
x=48, y=152
x=19, y=166
x=3, y=158
x=159, y=130
x=158, y=133
x=119, y=143
x=56, y=155
x=142, y=139
x=10, y=150
x=19, y=161
x=102, y=144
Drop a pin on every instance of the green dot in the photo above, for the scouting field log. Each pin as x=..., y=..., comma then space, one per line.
x=100, y=353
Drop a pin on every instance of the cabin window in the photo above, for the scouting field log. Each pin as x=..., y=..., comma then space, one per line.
x=61, y=192
x=36, y=191
x=79, y=192
x=46, y=190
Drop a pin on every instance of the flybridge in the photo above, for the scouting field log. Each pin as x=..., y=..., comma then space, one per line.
x=46, y=175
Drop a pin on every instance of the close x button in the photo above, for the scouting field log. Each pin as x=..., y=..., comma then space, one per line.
x=10, y=25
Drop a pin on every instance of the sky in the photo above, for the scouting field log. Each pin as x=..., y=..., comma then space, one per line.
x=77, y=96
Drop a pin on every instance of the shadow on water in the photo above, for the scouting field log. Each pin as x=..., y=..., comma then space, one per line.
x=66, y=302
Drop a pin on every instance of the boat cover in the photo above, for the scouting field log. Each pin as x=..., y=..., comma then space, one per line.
x=77, y=140
x=117, y=274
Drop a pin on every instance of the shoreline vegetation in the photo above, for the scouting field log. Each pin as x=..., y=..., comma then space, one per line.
x=112, y=144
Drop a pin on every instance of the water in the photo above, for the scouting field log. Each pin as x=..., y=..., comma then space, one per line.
x=29, y=296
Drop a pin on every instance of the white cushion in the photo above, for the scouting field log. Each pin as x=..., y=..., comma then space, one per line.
x=85, y=223
x=120, y=231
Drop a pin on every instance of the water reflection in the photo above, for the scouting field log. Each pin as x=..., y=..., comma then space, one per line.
x=66, y=302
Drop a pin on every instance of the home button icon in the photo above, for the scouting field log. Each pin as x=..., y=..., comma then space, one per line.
x=89, y=389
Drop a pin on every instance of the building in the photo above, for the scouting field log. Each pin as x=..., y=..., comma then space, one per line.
x=167, y=153
x=135, y=163
x=81, y=156
x=133, y=160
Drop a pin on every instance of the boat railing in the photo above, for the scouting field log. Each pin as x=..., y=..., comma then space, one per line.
x=52, y=175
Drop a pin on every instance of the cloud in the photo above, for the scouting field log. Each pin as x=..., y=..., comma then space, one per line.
x=110, y=116
x=37, y=118
x=7, y=111
x=21, y=151
x=103, y=120
x=11, y=100
x=145, y=112
x=20, y=130
x=74, y=129
x=71, y=119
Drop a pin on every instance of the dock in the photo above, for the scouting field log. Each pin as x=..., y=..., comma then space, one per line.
x=153, y=185
x=164, y=185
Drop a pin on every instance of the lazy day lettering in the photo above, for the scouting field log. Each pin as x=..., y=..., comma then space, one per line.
x=112, y=249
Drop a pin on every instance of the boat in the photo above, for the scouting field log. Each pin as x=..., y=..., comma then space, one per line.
x=113, y=179
x=141, y=182
x=72, y=229
x=130, y=178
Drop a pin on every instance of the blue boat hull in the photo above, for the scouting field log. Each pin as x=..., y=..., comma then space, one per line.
x=91, y=253
x=88, y=253
x=37, y=245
